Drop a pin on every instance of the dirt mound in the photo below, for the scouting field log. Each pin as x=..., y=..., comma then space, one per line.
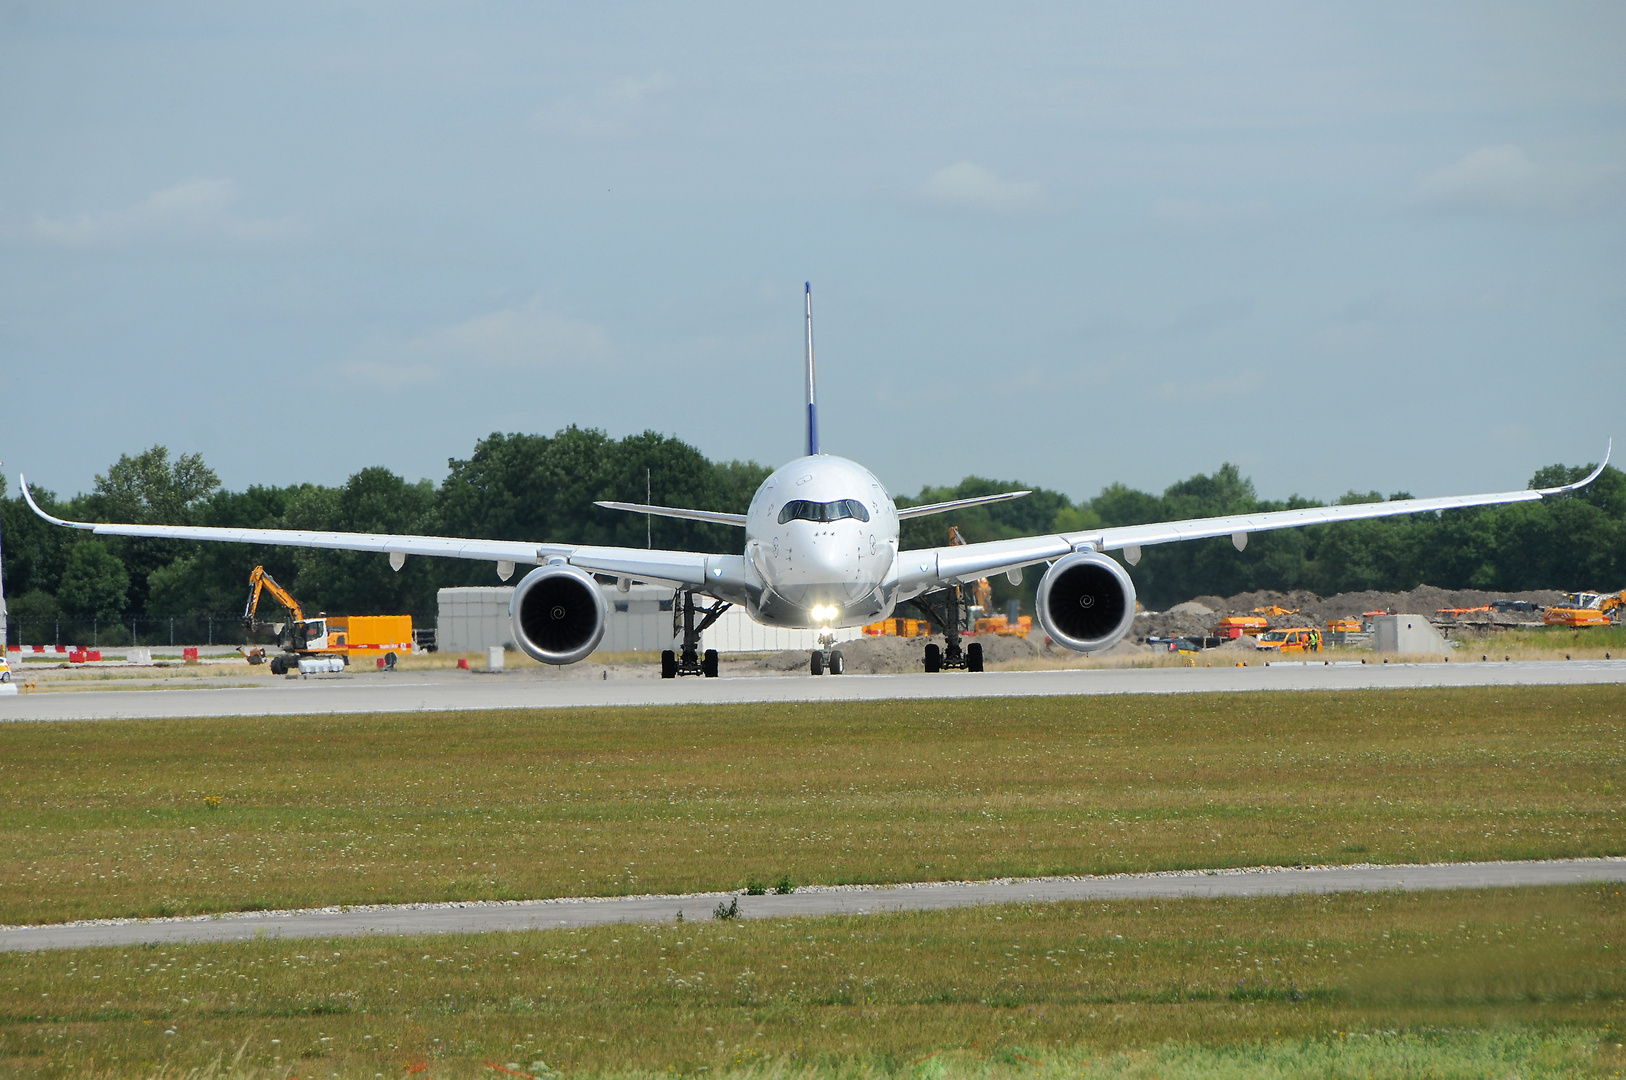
x=1199, y=616
x=1423, y=600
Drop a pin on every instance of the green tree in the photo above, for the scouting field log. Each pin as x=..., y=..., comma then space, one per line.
x=94, y=582
x=150, y=488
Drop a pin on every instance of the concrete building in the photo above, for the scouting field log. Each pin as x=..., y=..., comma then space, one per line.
x=472, y=620
x=1406, y=634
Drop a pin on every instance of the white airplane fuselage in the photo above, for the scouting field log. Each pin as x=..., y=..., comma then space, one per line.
x=821, y=536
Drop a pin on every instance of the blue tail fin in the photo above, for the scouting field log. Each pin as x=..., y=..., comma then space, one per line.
x=812, y=380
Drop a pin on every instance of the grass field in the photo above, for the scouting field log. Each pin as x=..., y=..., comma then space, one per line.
x=1480, y=983
x=174, y=817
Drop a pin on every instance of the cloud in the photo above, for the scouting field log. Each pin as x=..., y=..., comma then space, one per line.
x=194, y=212
x=512, y=339
x=967, y=186
x=1503, y=179
x=613, y=113
x=1192, y=215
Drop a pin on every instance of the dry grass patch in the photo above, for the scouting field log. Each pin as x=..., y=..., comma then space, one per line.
x=113, y=818
x=1492, y=983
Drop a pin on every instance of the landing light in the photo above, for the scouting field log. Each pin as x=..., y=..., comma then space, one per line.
x=822, y=613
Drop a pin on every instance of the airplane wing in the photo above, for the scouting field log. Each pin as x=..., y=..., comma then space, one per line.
x=674, y=567
x=907, y=512
x=716, y=517
x=929, y=567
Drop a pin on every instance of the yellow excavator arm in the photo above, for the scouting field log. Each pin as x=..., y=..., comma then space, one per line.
x=259, y=581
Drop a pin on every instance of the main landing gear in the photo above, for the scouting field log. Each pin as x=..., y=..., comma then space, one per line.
x=826, y=657
x=689, y=660
x=950, y=656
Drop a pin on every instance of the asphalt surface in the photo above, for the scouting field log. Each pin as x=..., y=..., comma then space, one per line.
x=469, y=918
x=438, y=691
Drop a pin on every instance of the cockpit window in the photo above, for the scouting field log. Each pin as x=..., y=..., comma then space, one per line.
x=802, y=510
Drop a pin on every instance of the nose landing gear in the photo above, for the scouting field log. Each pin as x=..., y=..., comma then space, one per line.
x=689, y=660
x=826, y=657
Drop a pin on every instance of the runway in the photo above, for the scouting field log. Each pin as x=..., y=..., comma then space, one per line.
x=442, y=691
x=486, y=917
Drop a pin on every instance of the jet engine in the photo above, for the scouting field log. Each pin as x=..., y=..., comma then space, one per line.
x=558, y=614
x=1086, y=602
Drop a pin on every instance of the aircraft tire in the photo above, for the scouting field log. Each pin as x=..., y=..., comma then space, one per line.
x=668, y=664
x=836, y=667
x=708, y=664
x=973, y=656
x=934, y=658
x=817, y=662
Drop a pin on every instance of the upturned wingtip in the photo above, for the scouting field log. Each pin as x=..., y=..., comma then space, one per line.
x=28, y=497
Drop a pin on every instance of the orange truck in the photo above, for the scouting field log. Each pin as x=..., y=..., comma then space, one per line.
x=1235, y=626
x=366, y=636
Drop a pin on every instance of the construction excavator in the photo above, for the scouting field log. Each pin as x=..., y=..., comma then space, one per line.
x=384, y=636
x=1587, y=609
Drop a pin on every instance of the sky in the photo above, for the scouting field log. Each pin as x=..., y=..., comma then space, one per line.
x=1370, y=246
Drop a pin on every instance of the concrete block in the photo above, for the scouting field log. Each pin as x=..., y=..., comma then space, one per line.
x=1406, y=634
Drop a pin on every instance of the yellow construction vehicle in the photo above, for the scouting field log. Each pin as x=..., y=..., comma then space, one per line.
x=1586, y=609
x=1275, y=611
x=386, y=637
x=259, y=582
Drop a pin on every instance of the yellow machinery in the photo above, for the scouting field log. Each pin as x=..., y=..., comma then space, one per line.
x=1235, y=626
x=260, y=582
x=899, y=628
x=1274, y=611
x=1002, y=626
x=383, y=636
x=1586, y=609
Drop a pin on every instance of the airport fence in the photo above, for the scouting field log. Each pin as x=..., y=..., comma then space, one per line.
x=148, y=631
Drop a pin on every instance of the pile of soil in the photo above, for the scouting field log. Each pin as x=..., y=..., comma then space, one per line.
x=1200, y=615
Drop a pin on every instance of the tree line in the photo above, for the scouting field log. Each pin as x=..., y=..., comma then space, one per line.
x=542, y=488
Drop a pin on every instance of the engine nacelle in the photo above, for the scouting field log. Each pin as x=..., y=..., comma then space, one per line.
x=1086, y=602
x=558, y=614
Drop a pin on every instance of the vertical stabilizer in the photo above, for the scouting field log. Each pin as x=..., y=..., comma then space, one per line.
x=812, y=380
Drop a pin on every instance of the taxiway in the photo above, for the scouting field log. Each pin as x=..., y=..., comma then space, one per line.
x=487, y=917
x=452, y=690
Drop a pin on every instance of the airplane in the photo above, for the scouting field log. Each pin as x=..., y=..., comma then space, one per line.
x=821, y=551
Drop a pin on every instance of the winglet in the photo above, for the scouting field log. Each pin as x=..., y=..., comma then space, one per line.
x=1579, y=484
x=28, y=497
x=812, y=380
